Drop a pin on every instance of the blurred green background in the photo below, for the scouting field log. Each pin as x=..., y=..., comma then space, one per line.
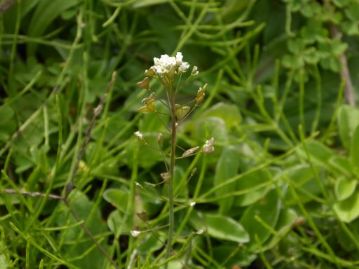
x=280, y=190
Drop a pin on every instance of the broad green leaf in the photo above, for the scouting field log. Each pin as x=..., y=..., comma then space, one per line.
x=7, y=122
x=354, y=148
x=151, y=198
x=344, y=188
x=4, y=262
x=285, y=223
x=352, y=11
x=342, y=165
x=118, y=223
x=118, y=198
x=317, y=151
x=257, y=217
x=341, y=3
x=348, y=120
x=205, y=128
x=225, y=228
x=344, y=239
x=6, y=114
x=228, y=113
x=227, y=167
x=223, y=253
x=348, y=210
x=152, y=242
x=303, y=177
x=255, y=185
x=147, y=153
x=76, y=243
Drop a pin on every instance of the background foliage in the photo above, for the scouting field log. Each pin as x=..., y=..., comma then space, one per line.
x=280, y=190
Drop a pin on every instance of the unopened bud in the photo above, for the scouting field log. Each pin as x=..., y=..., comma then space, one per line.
x=135, y=233
x=208, y=146
x=149, y=104
x=181, y=111
x=139, y=135
x=194, y=71
x=201, y=93
x=150, y=72
x=144, y=84
x=190, y=151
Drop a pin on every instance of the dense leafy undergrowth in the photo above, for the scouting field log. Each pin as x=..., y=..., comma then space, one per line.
x=79, y=190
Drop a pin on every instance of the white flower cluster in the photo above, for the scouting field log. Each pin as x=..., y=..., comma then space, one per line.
x=208, y=146
x=167, y=64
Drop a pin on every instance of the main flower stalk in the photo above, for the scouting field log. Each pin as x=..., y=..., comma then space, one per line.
x=168, y=70
x=172, y=103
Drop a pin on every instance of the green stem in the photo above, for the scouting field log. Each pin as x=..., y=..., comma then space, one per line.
x=172, y=104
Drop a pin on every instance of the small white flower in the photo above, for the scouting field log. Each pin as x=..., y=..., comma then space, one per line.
x=195, y=71
x=166, y=64
x=208, y=146
x=135, y=233
x=139, y=135
x=192, y=204
x=183, y=67
x=179, y=57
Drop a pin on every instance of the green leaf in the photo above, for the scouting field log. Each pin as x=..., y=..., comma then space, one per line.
x=317, y=151
x=7, y=122
x=342, y=165
x=152, y=242
x=3, y=262
x=76, y=242
x=227, y=167
x=228, y=113
x=146, y=156
x=225, y=228
x=354, y=148
x=152, y=201
x=117, y=197
x=257, y=217
x=352, y=11
x=205, y=128
x=118, y=223
x=285, y=223
x=223, y=253
x=255, y=185
x=348, y=210
x=302, y=177
x=348, y=120
x=344, y=188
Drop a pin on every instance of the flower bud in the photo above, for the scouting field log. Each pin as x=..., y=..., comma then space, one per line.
x=181, y=111
x=208, y=146
x=194, y=71
x=144, y=84
x=190, y=152
x=201, y=93
x=149, y=104
x=150, y=72
x=139, y=135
